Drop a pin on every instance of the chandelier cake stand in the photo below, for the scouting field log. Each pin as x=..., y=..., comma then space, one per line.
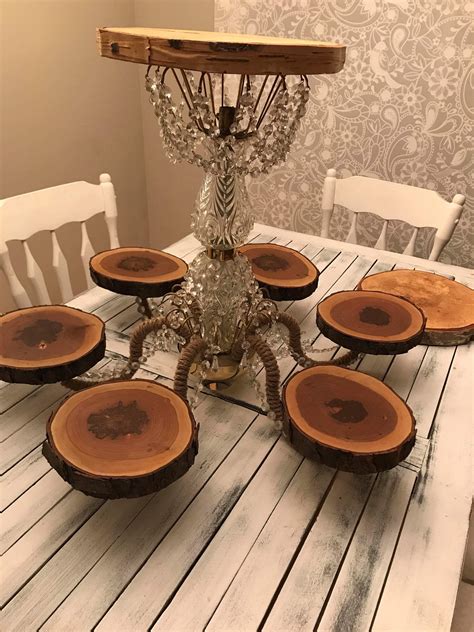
x=230, y=104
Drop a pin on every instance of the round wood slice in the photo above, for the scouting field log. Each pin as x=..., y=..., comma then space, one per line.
x=347, y=420
x=448, y=306
x=286, y=274
x=370, y=322
x=49, y=343
x=221, y=52
x=143, y=272
x=122, y=439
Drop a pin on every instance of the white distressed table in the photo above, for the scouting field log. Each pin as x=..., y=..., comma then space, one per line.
x=253, y=536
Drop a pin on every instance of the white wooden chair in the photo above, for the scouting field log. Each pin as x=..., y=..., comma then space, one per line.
x=24, y=215
x=391, y=201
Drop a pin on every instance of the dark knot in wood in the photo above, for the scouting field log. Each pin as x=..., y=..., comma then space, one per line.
x=271, y=263
x=42, y=332
x=374, y=316
x=117, y=421
x=347, y=410
x=231, y=47
x=136, y=264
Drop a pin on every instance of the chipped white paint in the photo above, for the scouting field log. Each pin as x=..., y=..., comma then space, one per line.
x=304, y=592
x=422, y=584
x=198, y=597
x=264, y=567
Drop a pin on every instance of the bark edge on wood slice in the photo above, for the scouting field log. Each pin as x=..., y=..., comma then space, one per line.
x=137, y=271
x=347, y=420
x=229, y=53
x=284, y=273
x=122, y=439
x=49, y=343
x=371, y=322
x=447, y=305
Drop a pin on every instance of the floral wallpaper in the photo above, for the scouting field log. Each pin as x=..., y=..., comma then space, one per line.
x=401, y=109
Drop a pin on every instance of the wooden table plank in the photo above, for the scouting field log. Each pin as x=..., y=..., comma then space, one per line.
x=260, y=574
x=423, y=399
x=421, y=588
x=34, y=403
x=304, y=592
x=11, y=394
x=37, y=545
x=199, y=595
x=21, y=477
x=353, y=600
x=31, y=507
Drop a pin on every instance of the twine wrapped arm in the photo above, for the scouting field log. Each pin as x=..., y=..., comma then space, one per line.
x=188, y=356
x=272, y=376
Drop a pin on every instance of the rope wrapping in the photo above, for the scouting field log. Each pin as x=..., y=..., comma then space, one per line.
x=272, y=376
x=188, y=355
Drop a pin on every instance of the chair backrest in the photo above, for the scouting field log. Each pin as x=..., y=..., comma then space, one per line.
x=22, y=216
x=391, y=201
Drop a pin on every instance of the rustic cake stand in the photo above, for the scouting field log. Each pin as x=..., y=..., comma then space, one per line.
x=284, y=273
x=447, y=305
x=347, y=420
x=131, y=437
x=49, y=343
x=122, y=439
x=371, y=322
x=140, y=272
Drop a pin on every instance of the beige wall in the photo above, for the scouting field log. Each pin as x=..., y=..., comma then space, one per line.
x=66, y=113
x=171, y=189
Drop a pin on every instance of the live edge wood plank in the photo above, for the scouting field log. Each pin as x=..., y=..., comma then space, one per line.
x=220, y=52
x=421, y=588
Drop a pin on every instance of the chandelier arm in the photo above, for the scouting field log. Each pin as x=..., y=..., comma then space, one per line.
x=279, y=81
x=188, y=355
x=141, y=331
x=296, y=347
x=272, y=376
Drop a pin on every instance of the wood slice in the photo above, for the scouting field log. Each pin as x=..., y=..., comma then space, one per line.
x=347, y=420
x=448, y=306
x=142, y=272
x=122, y=439
x=221, y=52
x=286, y=274
x=370, y=322
x=49, y=343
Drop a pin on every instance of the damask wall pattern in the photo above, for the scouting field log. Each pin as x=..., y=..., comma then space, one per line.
x=402, y=109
